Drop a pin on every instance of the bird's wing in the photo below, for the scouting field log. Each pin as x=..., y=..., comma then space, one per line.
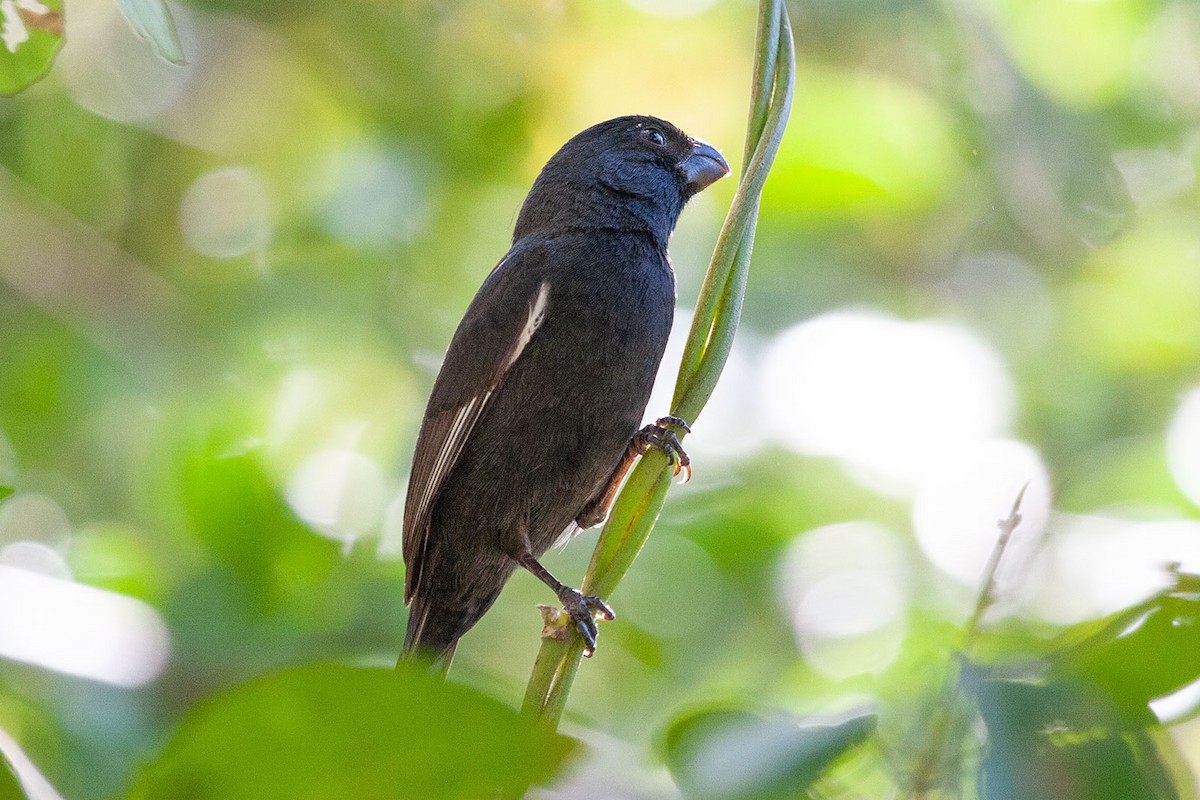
x=496, y=329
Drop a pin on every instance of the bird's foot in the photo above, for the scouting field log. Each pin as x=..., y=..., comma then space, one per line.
x=660, y=436
x=584, y=609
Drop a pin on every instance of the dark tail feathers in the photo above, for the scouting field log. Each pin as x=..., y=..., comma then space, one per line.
x=427, y=641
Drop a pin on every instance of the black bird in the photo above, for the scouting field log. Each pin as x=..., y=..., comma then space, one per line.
x=533, y=419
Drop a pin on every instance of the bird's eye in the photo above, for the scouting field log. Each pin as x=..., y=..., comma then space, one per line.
x=655, y=136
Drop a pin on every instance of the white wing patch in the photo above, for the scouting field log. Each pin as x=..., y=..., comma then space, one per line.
x=537, y=315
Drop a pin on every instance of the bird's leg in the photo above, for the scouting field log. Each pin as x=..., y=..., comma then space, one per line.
x=582, y=607
x=657, y=435
x=597, y=508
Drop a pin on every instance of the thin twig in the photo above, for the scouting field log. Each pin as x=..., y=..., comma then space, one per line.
x=987, y=591
x=925, y=776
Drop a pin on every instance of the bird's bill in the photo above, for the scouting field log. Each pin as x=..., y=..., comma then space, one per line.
x=703, y=166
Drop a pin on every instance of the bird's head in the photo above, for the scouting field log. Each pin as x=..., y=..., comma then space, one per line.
x=626, y=171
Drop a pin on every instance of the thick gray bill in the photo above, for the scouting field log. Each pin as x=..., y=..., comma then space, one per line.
x=703, y=166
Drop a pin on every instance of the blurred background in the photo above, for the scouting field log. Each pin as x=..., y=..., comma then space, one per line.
x=225, y=289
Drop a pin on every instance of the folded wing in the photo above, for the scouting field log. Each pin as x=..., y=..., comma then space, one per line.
x=495, y=330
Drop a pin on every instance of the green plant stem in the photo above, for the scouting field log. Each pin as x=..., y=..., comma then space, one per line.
x=926, y=775
x=718, y=310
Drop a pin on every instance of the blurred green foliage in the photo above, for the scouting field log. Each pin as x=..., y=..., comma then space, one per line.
x=436, y=740
x=729, y=753
x=1064, y=740
x=30, y=36
x=10, y=787
x=225, y=288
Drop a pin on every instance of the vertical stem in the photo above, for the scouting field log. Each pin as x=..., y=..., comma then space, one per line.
x=770, y=106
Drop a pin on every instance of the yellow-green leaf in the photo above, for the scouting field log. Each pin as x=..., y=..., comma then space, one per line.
x=31, y=33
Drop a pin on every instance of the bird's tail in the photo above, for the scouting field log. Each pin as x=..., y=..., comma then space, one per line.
x=427, y=641
x=437, y=618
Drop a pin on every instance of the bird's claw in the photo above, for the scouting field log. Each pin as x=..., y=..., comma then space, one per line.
x=673, y=422
x=660, y=436
x=583, y=609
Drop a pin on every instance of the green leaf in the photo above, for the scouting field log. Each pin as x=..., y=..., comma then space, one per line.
x=1143, y=653
x=317, y=732
x=31, y=33
x=236, y=510
x=1063, y=740
x=5, y=491
x=730, y=754
x=10, y=787
x=152, y=20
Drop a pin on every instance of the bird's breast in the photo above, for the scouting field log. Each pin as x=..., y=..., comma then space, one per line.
x=591, y=365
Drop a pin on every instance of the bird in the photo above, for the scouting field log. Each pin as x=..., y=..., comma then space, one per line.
x=533, y=419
